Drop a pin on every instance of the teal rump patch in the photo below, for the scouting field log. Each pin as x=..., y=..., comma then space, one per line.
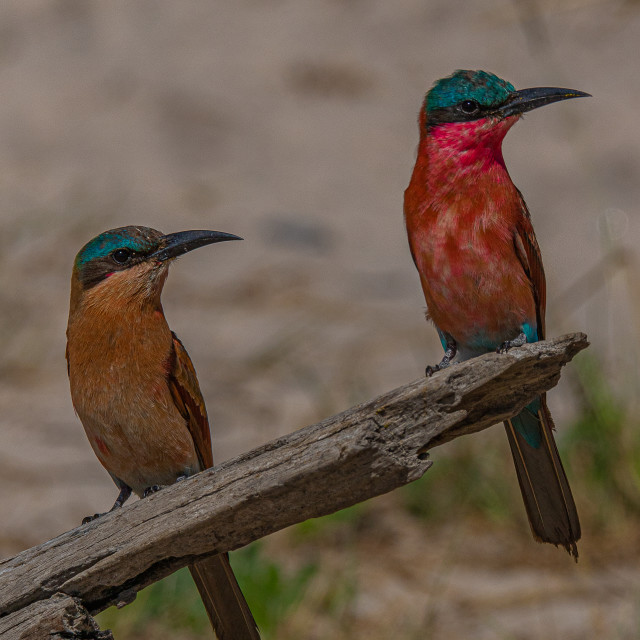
x=483, y=87
x=482, y=343
x=527, y=423
x=531, y=332
x=102, y=245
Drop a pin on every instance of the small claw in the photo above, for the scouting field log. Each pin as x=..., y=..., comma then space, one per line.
x=510, y=344
x=149, y=490
x=95, y=516
x=449, y=355
x=125, y=492
x=429, y=371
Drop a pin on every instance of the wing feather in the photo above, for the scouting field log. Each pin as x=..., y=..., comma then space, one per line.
x=185, y=390
x=528, y=253
x=226, y=606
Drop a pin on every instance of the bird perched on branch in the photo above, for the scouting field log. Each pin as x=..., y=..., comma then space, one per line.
x=473, y=244
x=135, y=389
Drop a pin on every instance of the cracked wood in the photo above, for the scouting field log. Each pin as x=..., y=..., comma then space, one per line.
x=365, y=451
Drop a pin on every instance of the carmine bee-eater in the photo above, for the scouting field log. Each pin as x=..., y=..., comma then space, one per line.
x=480, y=267
x=135, y=389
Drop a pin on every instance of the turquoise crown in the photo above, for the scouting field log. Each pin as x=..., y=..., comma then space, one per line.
x=485, y=88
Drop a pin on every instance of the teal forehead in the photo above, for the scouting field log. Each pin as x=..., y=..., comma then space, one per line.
x=105, y=243
x=485, y=88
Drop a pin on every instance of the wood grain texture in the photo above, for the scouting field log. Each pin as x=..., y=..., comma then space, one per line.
x=365, y=451
x=57, y=618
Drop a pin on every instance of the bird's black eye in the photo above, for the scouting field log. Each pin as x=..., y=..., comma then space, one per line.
x=121, y=256
x=469, y=106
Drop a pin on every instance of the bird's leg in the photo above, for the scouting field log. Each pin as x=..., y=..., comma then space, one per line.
x=508, y=344
x=149, y=490
x=124, y=494
x=449, y=354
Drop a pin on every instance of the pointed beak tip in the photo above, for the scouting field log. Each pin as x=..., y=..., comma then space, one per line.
x=222, y=236
x=579, y=94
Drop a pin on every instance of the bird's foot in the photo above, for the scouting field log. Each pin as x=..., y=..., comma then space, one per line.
x=95, y=516
x=149, y=490
x=449, y=355
x=509, y=344
x=429, y=371
x=125, y=492
x=181, y=478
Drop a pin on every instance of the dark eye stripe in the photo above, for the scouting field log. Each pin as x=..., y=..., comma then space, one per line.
x=465, y=111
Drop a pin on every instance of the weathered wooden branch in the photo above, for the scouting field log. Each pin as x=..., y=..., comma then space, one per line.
x=59, y=617
x=365, y=451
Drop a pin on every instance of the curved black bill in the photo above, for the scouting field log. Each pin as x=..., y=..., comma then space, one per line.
x=529, y=99
x=175, y=244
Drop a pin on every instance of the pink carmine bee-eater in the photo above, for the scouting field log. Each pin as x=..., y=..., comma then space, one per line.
x=480, y=267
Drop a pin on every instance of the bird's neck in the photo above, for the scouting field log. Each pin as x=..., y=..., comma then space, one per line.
x=460, y=161
x=120, y=294
x=107, y=320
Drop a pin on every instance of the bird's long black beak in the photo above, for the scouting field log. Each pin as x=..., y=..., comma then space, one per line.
x=176, y=244
x=528, y=99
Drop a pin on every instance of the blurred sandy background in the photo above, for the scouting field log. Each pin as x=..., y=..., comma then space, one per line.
x=293, y=124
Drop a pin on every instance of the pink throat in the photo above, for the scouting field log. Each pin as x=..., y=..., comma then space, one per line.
x=477, y=143
x=460, y=157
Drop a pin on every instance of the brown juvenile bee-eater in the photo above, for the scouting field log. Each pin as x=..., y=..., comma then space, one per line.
x=135, y=389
